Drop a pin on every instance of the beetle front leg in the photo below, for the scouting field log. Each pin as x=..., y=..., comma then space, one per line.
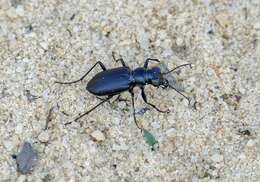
x=150, y=59
x=145, y=100
x=97, y=63
x=133, y=106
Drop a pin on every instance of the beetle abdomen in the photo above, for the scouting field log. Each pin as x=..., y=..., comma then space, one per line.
x=110, y=82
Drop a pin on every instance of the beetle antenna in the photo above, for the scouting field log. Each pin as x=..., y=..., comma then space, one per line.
x=187, y=98
x=189, y=64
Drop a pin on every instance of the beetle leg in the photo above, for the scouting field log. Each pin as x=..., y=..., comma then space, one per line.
x=145, y=100
x=97, y=63
x=187, y=98
x=92, y=109
x=133, y=106
x=120, y=59
x=100, y=98
x=120, y=99
x=149, y=59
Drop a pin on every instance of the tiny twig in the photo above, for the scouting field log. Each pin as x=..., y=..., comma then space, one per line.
x=49, y=118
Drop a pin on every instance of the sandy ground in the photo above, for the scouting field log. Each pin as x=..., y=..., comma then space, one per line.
x=45, y=41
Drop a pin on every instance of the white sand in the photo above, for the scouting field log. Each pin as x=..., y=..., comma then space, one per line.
x=44, y=41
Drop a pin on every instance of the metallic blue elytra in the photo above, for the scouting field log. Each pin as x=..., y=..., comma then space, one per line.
x=110, y=82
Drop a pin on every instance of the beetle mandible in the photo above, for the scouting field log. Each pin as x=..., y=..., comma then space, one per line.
x=111, y=82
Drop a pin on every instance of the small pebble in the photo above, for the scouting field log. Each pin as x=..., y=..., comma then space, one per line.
x=242, y=156
x=20, y=10
x=142, y=111
x=156, y=124
x=171, y=132
x=45, y=95
x=210, y=72
x=223, y=19
x=217, y=158
x=257, y=25
x=143, y=39
x=8, y=145
x=256, y=2
x=179, y=41
x=11, y=13
x=26, y=159
x=116, y=147
x=19, y=128
x=258, y=48
x=44, y=45
x=121, y=104
x=98, y=136
x=250, y=143
x=21, y=178
x=44, y=137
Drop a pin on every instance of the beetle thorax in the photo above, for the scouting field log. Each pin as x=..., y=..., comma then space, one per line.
x=142, y=76
x=154, y=77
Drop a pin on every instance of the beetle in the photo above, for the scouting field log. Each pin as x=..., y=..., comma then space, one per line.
x=111, y=82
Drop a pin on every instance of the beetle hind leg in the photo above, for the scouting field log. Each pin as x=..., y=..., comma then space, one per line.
x=92, y=109
x=133, y=106
x=118, y=98
x=97, y=63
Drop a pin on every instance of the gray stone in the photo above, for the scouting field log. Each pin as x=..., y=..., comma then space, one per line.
x=26, y=159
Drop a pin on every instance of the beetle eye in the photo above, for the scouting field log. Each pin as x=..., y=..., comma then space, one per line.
x=164, y=83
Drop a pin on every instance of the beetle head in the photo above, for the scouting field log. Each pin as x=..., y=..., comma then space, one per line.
x=157, y=78
x=154, y=76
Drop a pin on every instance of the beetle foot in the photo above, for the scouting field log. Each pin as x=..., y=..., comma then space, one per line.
x=165, y=111
x=119, y=99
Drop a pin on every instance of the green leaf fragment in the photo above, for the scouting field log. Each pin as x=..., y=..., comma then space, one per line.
x=150, y=139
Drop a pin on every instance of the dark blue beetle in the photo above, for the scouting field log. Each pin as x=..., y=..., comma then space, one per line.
x=111, y=82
